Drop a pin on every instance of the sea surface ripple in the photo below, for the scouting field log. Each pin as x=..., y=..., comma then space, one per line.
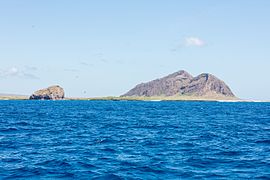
x=134, y=140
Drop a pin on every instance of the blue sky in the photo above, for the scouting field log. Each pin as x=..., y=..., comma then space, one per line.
x=101, y=48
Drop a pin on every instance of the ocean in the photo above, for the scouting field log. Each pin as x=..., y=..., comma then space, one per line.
x=134, y=140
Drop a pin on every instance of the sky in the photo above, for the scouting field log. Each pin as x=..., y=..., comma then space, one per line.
x=104, y=47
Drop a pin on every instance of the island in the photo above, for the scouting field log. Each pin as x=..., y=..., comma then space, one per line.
x=51, y=93
x=183, y=86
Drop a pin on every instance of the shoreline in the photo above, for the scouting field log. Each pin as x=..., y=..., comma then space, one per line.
x=140, y=98
x=158, y=99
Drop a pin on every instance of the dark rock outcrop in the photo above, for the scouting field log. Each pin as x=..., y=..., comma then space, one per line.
x=167, y=86
x=206, y=85
x=182, y=83
x=50, y=93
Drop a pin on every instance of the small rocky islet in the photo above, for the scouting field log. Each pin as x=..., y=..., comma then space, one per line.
x=51, y=93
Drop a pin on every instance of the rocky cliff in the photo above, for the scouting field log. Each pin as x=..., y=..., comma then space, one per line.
x=50, y=93
x=207, y=85
x=182, y=83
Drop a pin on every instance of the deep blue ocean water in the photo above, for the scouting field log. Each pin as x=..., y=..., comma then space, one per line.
x=134, y=140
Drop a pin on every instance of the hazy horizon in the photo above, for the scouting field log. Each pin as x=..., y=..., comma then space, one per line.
x=105, y=48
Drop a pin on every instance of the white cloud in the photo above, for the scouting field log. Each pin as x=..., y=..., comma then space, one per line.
x=13, y=71
x=194, y=41
x=16, y=72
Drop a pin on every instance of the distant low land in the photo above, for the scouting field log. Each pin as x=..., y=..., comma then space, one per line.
x=178, y=86
x=13, y=97
x=157, y=98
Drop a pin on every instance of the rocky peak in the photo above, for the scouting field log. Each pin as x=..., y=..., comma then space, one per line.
x=207, y=85
x=166, y=86
x=180, y=74
x=182, y=83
